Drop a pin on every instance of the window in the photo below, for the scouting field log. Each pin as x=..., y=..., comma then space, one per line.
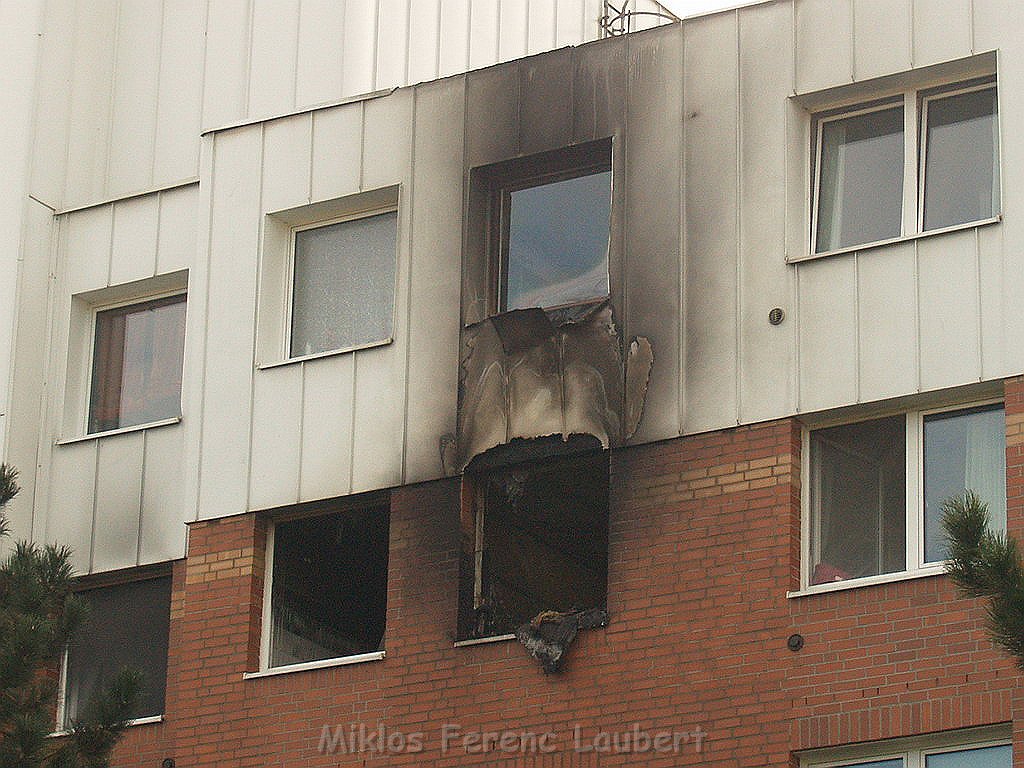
x=535, y=538
x=343, y=284
x=126, y=627
x=137, y=358
x=875, y=180
x=876, y=488
x=548, y=228
x=978, y=755
x=328, y=587
x=327, y=277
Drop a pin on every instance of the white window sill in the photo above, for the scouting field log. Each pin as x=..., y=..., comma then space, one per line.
x=119, y=431
x=341, y=661
x=894, y=240
x=152, y=719
x=328, y=353
x=869, y=581
x=484, y=640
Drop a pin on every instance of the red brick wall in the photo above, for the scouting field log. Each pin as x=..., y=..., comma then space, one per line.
x=704, y=545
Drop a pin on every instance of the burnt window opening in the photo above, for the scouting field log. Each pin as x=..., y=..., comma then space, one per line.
x=126, y=627
x=548, y=222
x=534, y=539
x=328, y=592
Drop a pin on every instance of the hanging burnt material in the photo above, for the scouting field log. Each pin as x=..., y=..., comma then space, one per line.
x=548, y=636
x=528, y=373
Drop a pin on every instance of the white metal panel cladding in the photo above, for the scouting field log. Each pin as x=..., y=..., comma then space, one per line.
x=765, y=352
x=146, y=76
x=710, y=108
x=711, y=167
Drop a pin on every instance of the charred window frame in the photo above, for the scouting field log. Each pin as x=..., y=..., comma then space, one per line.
x=534, y=538
x=580, y=174
x=127, y=626
x=325, y=597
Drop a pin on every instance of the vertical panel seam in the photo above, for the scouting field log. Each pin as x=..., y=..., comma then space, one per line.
x=917, y=313
x=973, y=31
x=738, y=223
x=410, y=192
x=979, y=306
x=856, y=328
x=407, y=75
x=75, y=39
x=159, y=221
x=375, y=52
x=911, y=8
x=156, y=107
x=298, y=47
x=469, y=36
x=798, y=338
x=206, y=327
x=110, y=243
x=142, y=497
x=251, y=21
x=437, y=45
x=261, y=164
x=95, y=488
x=202, y=80
x=681, y=364
x=302, y=430
x=853, y=40
x=111, y=97
x=312, y=144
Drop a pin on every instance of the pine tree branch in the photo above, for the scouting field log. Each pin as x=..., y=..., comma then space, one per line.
x=987, y=565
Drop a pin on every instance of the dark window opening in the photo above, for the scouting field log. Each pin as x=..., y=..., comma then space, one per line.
x=329, y=586
x=535, y=538
x=126, y=627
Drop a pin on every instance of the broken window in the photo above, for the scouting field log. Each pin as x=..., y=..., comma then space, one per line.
x=328, y=590
x=548, y=227
x=535, y=539
x=126, y=627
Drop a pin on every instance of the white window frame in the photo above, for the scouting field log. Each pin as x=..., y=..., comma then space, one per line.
x=915, y=566
x=266, y=623
x=80, y=350
x=275, y=281
x=290, y=286
x=925, y=102
x=62, y=676
x=915, y=132
x=96, y=310
x=913, y=751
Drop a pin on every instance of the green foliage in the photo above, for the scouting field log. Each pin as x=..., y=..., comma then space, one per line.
x=39, y=614
x=987, y=565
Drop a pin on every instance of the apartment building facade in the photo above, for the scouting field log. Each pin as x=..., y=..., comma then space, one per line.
x=439, y=384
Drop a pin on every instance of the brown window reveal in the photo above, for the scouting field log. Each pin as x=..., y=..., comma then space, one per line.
x=535, y=539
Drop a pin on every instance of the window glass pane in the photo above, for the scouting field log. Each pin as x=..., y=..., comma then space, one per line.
x=896, y=762
x=343, y=290
x=962, y=159
x=860, y=182
x=963, y=450
x=137, y=359
x=329, y=590
x=986, y=757
x=127, y=626
x=858, y=500
x=558, y=242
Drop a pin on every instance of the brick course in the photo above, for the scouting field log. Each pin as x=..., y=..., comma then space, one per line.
x=704, y=545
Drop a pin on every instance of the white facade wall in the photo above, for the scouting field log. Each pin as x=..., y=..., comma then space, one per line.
x=712, y=172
